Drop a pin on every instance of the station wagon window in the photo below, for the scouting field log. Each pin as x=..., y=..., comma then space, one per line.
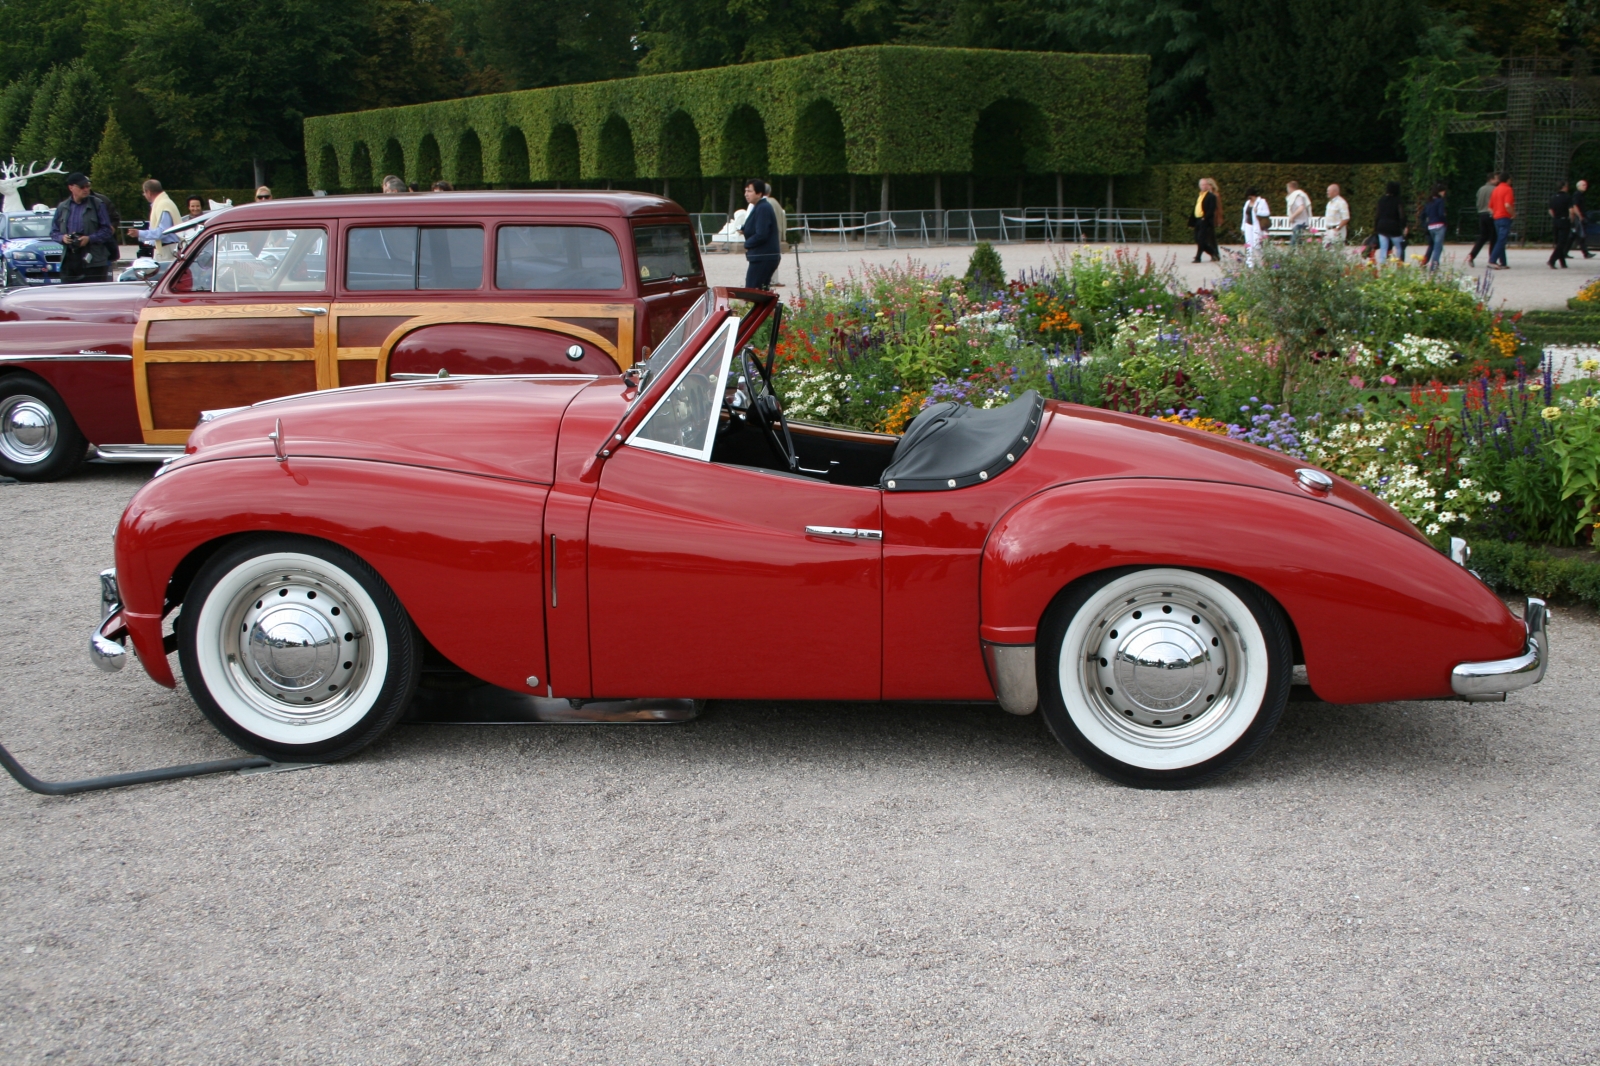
x=681, y=423
x=258, y=260
x=414, y=257
x=557, y=257
x=666, y=252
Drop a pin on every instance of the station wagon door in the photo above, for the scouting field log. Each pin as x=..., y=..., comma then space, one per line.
x=242, y=319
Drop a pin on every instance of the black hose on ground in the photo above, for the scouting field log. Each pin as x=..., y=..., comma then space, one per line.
x=137, y=777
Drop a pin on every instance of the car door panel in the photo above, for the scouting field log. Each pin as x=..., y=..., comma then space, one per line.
x=703, y=582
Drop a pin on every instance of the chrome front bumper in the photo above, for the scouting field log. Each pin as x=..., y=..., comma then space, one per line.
x=1490, y=681
x=108, y=641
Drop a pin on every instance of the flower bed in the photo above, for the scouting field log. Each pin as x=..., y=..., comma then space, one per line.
x=1399, y=379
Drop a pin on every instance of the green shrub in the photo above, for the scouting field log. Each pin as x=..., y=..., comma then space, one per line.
x=985, y=272
x=1529, y=570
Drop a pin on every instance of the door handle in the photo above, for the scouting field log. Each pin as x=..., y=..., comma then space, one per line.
x=312, y=310
x=844, y=531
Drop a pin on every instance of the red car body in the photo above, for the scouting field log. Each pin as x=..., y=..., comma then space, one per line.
x=525, y=540
x=136, y=364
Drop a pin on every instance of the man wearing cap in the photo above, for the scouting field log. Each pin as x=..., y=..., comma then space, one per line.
x=83, y=226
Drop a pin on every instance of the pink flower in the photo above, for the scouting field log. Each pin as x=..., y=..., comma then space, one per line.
x=1388, y=379
x=1356, y=382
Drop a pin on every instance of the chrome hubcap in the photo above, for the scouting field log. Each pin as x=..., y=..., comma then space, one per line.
x=27, y=429
x=296, y=646
x=1162, y=664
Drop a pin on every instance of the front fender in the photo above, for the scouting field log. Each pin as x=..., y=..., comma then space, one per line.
x=1380, y=615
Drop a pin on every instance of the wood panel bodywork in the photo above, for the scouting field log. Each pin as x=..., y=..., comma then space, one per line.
x=356, y=327
x=203, y=349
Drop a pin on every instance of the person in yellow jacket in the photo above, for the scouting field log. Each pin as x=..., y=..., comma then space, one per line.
x=164, y=214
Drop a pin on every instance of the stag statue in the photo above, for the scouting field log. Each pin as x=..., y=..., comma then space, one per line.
x=12, y=179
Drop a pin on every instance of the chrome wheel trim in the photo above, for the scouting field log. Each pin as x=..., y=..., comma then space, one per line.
x=265, y=642
x=28, y=429
x=1162, y=666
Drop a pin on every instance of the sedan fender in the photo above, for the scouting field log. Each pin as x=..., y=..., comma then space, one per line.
x=1380, y=614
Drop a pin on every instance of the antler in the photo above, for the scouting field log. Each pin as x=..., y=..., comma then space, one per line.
x=10, y=169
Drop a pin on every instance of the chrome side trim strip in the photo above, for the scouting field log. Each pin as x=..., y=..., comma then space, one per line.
x=137, y=453
x=82, y=357
x=1012, y=672
x=1493, y=679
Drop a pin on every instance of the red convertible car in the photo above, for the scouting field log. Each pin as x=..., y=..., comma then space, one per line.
x=1151, y=590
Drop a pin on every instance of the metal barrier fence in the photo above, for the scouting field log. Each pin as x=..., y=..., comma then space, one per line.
x=926, y=229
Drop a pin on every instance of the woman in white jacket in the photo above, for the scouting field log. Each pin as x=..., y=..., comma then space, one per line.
x=1255, y=222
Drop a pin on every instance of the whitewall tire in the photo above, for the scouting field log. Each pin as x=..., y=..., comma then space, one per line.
x=296, y=649
x=1161, y=677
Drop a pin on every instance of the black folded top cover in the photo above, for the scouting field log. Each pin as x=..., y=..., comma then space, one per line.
x=951, y=446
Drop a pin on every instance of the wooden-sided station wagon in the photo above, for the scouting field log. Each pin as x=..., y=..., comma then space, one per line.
x=291, y=296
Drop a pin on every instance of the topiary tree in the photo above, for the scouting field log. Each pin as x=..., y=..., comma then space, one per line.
x=116, y=173
x=985, y=272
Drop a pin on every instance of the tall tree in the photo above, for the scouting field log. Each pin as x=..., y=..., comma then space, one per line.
x=692, y=34
x=77, y=116
x=526, y=44
x=115, y=170
x=33, y=142
x=16, y=100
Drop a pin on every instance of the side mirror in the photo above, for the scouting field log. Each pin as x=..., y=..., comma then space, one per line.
x=144, y=269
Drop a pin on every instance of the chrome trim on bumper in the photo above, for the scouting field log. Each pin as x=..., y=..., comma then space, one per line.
x=107, y=649
x=1011, y=671
x=136, y=453
x=1492, y=680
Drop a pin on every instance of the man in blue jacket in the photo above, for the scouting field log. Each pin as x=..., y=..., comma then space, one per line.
x=760, y=229
x=83, y=226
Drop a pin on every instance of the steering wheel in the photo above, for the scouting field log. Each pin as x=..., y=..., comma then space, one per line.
x=756, y=395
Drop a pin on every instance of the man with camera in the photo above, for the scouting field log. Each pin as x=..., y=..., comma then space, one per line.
x=83, y=226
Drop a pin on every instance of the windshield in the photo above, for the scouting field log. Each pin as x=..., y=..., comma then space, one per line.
x=30, y=226
x=673, y=341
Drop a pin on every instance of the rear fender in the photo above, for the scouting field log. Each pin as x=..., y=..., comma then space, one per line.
x=1380, y=615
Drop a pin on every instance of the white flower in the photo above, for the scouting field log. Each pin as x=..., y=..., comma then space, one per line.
x=1493, y=497
x=1433, y=529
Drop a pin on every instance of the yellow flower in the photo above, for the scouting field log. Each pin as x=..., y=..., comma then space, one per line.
x=1550, y=414
x=1589, y=401
x=1590, y=365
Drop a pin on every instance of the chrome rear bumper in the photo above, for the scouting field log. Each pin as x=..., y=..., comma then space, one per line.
x=1491, y=680
x=107, y=642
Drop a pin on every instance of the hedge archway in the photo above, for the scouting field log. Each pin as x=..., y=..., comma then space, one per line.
x=513, y=157
x=819, y=140
x=328, y=169
x=680, y=147
x=361, y=167
x=615, y=158
x=429, y=166
x=744, y=144
x=1007, y=138
x=469, y=160
x=561, y=154
x=394, y=159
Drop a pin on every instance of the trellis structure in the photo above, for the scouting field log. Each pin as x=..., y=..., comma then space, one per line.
x=859, y=111
x=1552, y=108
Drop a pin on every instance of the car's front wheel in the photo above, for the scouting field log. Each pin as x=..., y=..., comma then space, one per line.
x=1161, y=677
x=39, y=441
x=296, y=649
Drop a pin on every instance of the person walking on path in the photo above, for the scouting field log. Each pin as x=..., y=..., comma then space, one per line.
x=82, y=226
x=760, y=229
x=1336, y=219
x=163, y=216
x=1206, y=221
x=1434, y=217
x=1560, y=208
x=1485, y=237
x=1390, y=224
x=1580, y=218
x=1254, y=222
x=1299, y=213
x=1503, y=206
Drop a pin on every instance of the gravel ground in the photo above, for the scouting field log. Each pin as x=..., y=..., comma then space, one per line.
x=1529, y=285
x=780, y=883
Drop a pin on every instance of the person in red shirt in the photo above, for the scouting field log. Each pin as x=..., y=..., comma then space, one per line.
x=1503, y=206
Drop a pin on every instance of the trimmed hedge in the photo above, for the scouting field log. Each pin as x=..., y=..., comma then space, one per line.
x=1173, y=189
x=1531, y=570
x=900, y=110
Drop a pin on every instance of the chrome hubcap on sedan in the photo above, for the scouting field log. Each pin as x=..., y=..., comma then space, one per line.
x=27, y=429
x=1163, y=665
x=295, y=644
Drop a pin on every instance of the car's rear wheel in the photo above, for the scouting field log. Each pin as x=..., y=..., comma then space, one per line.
x=1161, y=677
x=39, y=441
x=296, y=649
